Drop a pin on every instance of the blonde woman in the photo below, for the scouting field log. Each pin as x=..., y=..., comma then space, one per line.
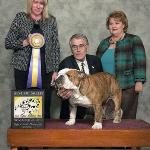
x=24, y=25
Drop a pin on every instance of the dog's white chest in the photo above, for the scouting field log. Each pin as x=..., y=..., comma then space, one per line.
x=81, y=100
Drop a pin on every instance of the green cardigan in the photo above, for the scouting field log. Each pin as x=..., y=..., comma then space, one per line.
x=130, y=59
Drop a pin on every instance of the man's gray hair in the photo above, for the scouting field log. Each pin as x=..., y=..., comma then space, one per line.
x=79, y=36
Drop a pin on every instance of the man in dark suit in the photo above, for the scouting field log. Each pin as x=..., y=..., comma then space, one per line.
x=80, y=60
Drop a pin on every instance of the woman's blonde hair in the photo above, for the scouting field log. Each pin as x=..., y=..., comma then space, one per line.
x=45, y=10
x=118, y=15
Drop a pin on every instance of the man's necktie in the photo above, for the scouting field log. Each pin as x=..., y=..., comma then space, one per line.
x=82, y=67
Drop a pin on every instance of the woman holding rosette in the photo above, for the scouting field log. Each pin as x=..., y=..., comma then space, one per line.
x=36, y=27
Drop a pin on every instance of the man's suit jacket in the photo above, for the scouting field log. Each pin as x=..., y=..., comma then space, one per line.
x=70, y=62
x=92, y=61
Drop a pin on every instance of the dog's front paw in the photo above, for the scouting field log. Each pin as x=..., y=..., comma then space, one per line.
x=97, y=125
x=70, y=122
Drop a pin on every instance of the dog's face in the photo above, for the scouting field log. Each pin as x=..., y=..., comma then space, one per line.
x=68, y=78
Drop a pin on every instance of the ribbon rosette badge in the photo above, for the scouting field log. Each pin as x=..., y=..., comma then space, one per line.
x=37, y=40
x=34, y=77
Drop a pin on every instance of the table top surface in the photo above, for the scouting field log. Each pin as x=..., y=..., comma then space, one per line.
x=125, y=124
x=107, y=124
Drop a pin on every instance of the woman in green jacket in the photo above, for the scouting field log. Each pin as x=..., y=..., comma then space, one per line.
x=123, y=55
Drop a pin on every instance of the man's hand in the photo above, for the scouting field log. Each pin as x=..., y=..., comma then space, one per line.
x=54, y=76
x=64, y=93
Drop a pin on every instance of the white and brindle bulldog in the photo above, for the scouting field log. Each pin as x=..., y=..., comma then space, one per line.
x=90, y=90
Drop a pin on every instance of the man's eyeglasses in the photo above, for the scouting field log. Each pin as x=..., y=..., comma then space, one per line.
x=76, y=47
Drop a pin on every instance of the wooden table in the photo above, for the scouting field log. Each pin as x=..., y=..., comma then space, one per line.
x=128, y=133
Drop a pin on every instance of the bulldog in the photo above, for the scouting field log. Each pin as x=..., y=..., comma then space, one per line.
x=90, y=91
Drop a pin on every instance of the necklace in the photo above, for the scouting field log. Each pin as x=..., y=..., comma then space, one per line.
x=111, y=41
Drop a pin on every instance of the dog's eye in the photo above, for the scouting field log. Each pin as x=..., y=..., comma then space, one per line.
x=68, y=75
